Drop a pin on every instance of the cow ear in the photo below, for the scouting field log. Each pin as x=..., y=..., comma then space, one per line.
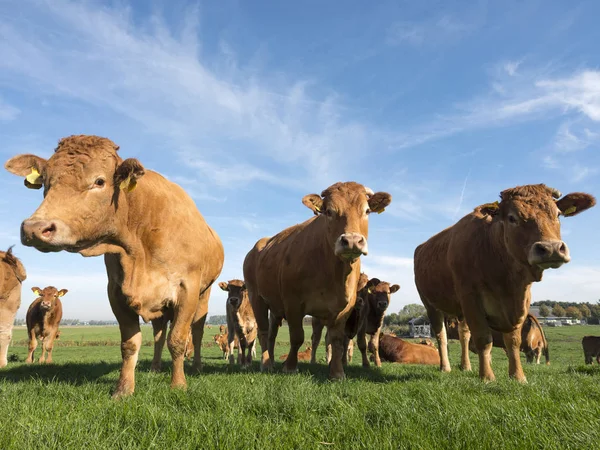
x=62, y=292
x=29, y=166
x=224, y=286
x=313, y=202
x=362, y=282
x=36, y=290
x=244, y=287
x=574, y=203
x=128, y=173
x=372, y=282
x=490, y=209
x=379, y=201
x=394, y=288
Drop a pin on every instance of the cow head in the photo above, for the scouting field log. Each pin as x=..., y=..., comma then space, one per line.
x=222, y=329
x=346, y=208
x=379, y=293
x=236, y=292
x=83, y=182
x=529, y=217
x=48, y=296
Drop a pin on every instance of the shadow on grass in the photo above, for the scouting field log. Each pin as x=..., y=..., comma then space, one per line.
x=588, y=369
x=76, y=374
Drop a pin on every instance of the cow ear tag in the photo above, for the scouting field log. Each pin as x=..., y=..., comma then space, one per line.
x=33, y=180
x=570, y=210
x=128, y=184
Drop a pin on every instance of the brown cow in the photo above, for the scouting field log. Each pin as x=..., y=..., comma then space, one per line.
x=221, y=341
x=222, y=329
x=43, y=318
x=240, y=321
x=302, y=356
x=533, y=339
x=591, y=349
x=159, y=327
x=394, y=349
x=312, y=269
x=12, y=275
x=481, y=269
x=346, y=357
x=159, y=252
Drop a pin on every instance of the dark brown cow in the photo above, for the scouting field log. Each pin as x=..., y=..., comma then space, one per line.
x=312, y=269
x=396, y=350
x=43, y=318
x=12, y=275
x=481, y=269
x=533, y=339
x=240, y=321
x=159, y=252
x=591, y=349
x=302, y=356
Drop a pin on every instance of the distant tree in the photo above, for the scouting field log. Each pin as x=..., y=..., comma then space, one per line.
x=585, y=311
x=573, y=312
x=411, y=311
x=544, y=311
x=391, y=319
x=217, y=320
x=558, y=311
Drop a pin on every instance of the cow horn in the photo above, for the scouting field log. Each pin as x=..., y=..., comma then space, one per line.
x=369, y=191
x=555, y=193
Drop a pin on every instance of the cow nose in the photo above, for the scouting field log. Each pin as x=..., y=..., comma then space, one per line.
x=46, y=304
x=551, y=254
x=352, y=243
x=42, y=230
x=382, y=305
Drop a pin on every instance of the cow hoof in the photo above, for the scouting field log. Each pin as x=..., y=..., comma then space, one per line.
x=121, y=392
x=267, y=368
x=445, y=369
x=287, y=370
x=28, y=361
x=179, y=385
x=465, y=368
x=154, y=368
x=337, y=377
x=197, y=367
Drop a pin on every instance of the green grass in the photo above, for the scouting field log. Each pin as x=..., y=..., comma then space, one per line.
x=68, y=405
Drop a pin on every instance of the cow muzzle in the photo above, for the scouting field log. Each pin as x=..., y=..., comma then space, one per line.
x=382, y=305
x=45, y=305
x=351, y=246
x=44, y=235
x=549, y=254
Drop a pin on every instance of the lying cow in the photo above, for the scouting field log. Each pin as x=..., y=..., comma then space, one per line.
x=159, y=252
x=240, y=321
x=12, y=275
x=533, y=339
x=481, y=269
x=396, y=350
x=312, y=269
x=43, y=318
x=302, y=356
x=591, y=349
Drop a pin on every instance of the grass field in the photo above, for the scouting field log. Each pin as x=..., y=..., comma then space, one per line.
x=68, y=404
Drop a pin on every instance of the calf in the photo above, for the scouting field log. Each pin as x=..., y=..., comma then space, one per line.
x=159, y=252
x=591, y=349
x=43, y=318
x=240, y=321
x=481, y=269
x=221, y=341
x=12, y=275
x=394, y=349
x=302, y=356
x=312, y=269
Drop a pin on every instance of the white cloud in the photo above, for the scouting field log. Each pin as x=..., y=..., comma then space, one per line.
x=570, y=283
x=435, y=30
x=511, y=67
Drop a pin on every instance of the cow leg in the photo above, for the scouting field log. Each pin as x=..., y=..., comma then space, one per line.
x=5, y=337
x=327, y=346
x=42, y=359
x=538, y=355
x=231, y=347
x=483, y=342
x=198, y=328
x=464, y=336
x=375, y=344
x=361, y=341
x=439, y=328
x=350, y=352
x=48, y=345
x=512, y=341
x=337, y=335
x=272, y=337
x=296, y=340
x=261, y=314
x=131, y=340
x=32, y=346
x=159, y=328
x=317, y=332
x=345, y=354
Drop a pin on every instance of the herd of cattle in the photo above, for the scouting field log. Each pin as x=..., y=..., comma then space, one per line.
x=162, y=259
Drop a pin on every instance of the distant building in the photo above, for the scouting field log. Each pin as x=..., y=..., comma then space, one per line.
x=419, y=327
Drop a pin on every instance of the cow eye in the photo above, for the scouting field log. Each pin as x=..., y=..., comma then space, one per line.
x=512, y=219
x=99, y=182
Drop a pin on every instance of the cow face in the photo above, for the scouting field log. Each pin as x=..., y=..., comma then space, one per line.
x=49, y=295
x=379, y=293
x=84, y=182
x=529, y=216
x=346, y=208
x=236, y=290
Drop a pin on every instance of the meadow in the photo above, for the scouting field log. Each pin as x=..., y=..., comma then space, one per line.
x=68, y=405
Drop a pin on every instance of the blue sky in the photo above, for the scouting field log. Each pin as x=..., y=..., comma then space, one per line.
x=252, y=105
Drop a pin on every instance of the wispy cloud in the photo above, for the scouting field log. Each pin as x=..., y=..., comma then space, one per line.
x=435, y=30
x=511, y=67
x=8, y=112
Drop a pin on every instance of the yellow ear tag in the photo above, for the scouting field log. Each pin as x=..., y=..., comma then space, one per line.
x=34, y=177
x=369, y=291
x=379, y=212
x=317, y=209
x=128, y=184
x=570, y=210
x=37, y=293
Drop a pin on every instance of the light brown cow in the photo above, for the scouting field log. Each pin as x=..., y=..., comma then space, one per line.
x=591, y=349
x=533, y=339
x=159, y=328
x=481, y=269
x=346, y=357
x=302, y=356
x=312, y=269
x=396, y=350
x=12, y=275
x=222, y=329
x=221, y=341
x=43, y=319
x=159, y=252
x=240, y=321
